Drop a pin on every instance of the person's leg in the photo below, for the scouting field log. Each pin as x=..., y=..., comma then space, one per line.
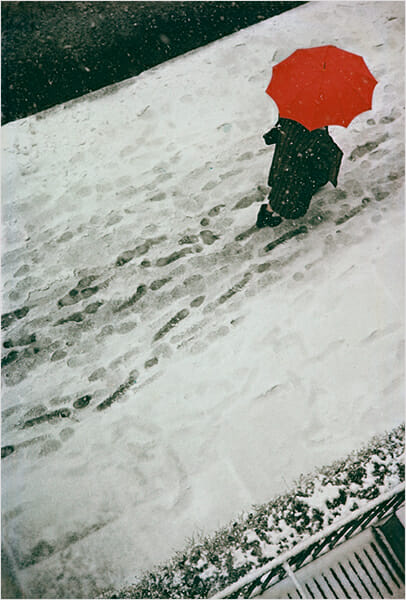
x=267, y=217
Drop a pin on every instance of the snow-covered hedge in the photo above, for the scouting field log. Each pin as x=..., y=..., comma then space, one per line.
x=316, y=501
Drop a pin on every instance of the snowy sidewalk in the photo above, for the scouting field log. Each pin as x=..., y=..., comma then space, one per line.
x=165, y=365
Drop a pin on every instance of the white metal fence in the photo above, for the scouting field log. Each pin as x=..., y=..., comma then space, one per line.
x=361, y=578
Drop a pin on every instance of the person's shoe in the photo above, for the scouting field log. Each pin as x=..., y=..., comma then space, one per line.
x=266, y=218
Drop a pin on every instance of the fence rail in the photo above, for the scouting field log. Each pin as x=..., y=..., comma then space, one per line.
x=276, y=570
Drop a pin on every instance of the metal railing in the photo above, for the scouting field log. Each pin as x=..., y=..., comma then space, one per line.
x=257, y=582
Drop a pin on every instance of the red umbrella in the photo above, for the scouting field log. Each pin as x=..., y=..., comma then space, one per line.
x=322, y=86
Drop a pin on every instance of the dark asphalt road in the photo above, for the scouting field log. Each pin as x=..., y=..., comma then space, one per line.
x=55, y=51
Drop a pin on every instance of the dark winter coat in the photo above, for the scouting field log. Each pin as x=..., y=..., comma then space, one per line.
x=303, y=162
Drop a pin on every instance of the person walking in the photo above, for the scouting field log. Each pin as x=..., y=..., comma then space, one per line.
x=312, y=88
x=303, y=162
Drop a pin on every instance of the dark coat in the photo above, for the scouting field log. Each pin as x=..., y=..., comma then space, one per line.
x=303, y=162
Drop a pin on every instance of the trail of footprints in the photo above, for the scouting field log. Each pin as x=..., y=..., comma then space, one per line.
x=28, y=351
x=215, y=271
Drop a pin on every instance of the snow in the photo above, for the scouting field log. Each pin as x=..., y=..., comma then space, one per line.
x=267, y=364
x=285, y=530
x=239, y=558
x=251, y=536
x=322, y=494
x=209, y=572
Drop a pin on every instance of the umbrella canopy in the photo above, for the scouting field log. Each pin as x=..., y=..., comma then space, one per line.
x=322, y=86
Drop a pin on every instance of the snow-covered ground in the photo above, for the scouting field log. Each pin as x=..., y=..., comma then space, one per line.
x=162, y=370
